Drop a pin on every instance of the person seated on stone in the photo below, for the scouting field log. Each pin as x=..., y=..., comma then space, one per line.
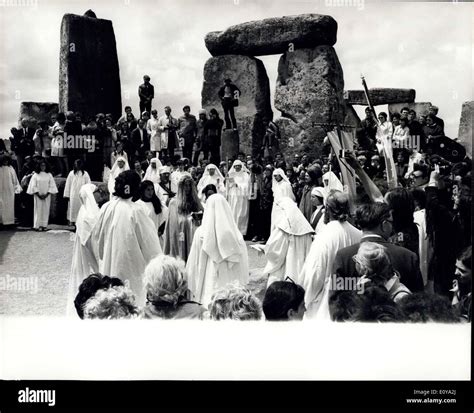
x=374, y=267
x=112, y=303
x=235, y=303
x=377, y=306
x=424, y=307
x=433, y=111
x=90, y=286
x=167, y=291
x=345, y=305
x=284, y=301
x=432, y=130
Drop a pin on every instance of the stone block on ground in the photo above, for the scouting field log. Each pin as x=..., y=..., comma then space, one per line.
x=229, y=144
x=250, y=76
x=380, y=96
x=89, y=78
x=465, y=126
x=37, y=112
x=309, y=91
x=274, y=35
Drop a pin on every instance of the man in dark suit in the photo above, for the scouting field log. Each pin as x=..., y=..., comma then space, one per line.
x=140, y=140
x=22, y=143
x=375, y=221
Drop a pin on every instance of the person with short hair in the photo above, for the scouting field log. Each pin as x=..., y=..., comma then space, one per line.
x=152, y=127
x=127, y=111
x=235, y=303
x=187, y=131
x=126, y=237
x=140, y=140
x=367, y=131
x=462, y=284
x=229, y=95
x=433, y=111
x=167, y=293
x=214, y=132
x=317, y=268
x=146, y=93
x=168, y=125
x=42, y=186
x=424, y=307
x=112, y=303
x=284, y=301
x=377, y=306
x=218, y=254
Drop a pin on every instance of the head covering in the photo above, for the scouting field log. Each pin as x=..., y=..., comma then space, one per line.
x=116, y=170
x=232, y=170
x=319, y=191
x=88, y=213
x=153, y=174
x=282, y=173
x=165, y=170
x=222, y=239
x=289, y=218
x=331, y=181
x=207, y=179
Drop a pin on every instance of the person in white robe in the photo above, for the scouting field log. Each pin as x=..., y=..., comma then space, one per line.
x=289, y=242
x=152, y=127
x=176, y=176
x=238, y=194
x=76, y=178
x=84, y=261
x=211, y=176
x=41, y=186
x=316, y=275
x=9, y=186
x=218, y=254
x=153, y=172
x=332, y=183
x=318, y=196
x=120, y=165
x=281, y=187
x=126, y=236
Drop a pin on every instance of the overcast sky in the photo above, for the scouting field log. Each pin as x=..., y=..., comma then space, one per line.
x=424, y=46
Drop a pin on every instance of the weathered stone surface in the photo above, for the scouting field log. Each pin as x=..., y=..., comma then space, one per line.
x=89, y=78
x=309, y=91
x=273, y=36
x=37, y=112
x=351, y=117
x=465, y=126
x=421, y=108
x=380, y=96
x=250, y=76
x=229, y=144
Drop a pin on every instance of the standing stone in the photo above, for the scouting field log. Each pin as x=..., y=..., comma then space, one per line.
x=273, y=36
x=229, y=144
x=421, y=108
x=309, y=92
x=250, y=76
x=37, y=112
x=380, y=96
x=351, y=118
x=465, y=126
x=89, y=78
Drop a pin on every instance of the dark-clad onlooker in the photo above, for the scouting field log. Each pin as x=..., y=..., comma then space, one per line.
x=22, y=143
x=432, y=130
x=146, y=92
x=187, y=130
x=462, y=284
x=367, y=131
x=214, y=132
x=284, y=301
x=313, y=178
x=375, y=221
x=140, y=140
x=433, y=111
x=229, y=95
x=167, y=292
x=426, y=307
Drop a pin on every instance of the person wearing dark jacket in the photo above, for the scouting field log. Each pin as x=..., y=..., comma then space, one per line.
x=214, y=132
x=140, y=140
x=375, y=221
x=229, y=95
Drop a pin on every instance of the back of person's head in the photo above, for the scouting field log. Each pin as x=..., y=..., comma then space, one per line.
x=423, y=307
x=369, y=216
x=373, y=261
x=344, y=305
x=378, y=306
x=89, y=286
x=337, y=206
x=165, y=281
x=234, y=303
x=111, y=303
x=402, y=204
x=283, y=300
x=127, y=184
x=315, y=174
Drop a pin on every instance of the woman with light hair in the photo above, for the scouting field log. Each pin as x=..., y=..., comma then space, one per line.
x=112, y=303
x=211, y=176
x=218, y=254
x=238, y=194
x=289, y=242
x=167, y=292
x=317, y=270
x=235, y=303
x=374, y=266
x=184, y=217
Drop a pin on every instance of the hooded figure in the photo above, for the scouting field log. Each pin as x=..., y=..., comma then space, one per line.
x=289, y=242
x=218, y=254
x=153, y=171
x=238, y=194
x=216, y=179
x=120, y=165
x=281, y=188
x=84, y=261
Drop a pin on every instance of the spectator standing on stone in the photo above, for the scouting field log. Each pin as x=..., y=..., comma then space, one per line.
x=214, y=132
x=229, y=95
x=201, y=137
x=146, y=92
x=167, y=125
x=42, y=186
x=433, y=111
x=187, y=131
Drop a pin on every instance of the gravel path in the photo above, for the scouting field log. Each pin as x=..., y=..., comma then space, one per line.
x=39, y=262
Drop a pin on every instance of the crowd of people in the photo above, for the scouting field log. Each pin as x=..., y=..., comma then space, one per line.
x=168, y=231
